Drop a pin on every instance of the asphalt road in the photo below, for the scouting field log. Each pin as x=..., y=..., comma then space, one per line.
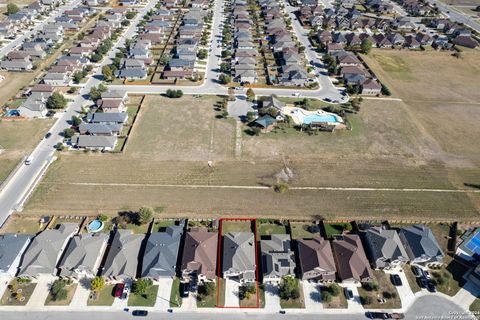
x=427, y=307
x=456, y=15
x=19, y=40
x=16, y=191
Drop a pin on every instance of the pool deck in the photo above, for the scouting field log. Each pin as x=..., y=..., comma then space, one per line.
x=292, y=112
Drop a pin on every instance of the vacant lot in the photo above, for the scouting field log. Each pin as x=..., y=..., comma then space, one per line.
x=165, y=164
x=17, y=139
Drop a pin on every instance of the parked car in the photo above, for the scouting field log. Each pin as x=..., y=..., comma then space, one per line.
x=184, y=289
x=119, y=290
x=348, y=293
x=425, y=273
x=417, y=271
x=376, y=315
x=422, y=282
x=395, y=315
x=431, y=286
x=395, y=278
x=140, y=313
x=48, y=135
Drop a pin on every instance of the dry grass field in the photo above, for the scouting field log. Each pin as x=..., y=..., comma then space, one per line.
x=17, y=139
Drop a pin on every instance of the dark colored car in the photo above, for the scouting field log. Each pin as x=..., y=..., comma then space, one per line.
x=431, y=286
x=140, y=313
x=119, y=290
x=48, y=135
x=422, y=282
x=395, y=315
x=348, y=293
x=417, y=271
x=395, y=278
x=184, y=289
x=376, y=315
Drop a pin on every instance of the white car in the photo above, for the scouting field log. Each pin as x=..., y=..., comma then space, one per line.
x=29, y=160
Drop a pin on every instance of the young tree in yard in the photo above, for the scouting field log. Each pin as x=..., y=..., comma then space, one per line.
x=141, y=286
x=97, y=284
x=58, y=290
x=68, y=133
x=224, y=67
x=145, y=215
x=202, y=54
x=224, y=79
x=76, y=121
x=289, y=288
x=246, y=291
x=12, y=8
x=366, y=46
x=56, y=101
x=107, y=73
x=250, y=94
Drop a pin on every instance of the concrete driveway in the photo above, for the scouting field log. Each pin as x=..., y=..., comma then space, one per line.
x=311, y=293
x=240, y=107
x=272, y=298
x=404, y=291
x=41, y=291
x=232, y=289
x=81, y=293
x=353, y=305
x=163, y=294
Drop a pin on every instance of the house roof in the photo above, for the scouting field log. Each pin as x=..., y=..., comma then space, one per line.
x=105, y=117
x=421, y=243
x=123, y=257
x=273, y=102
x=100, y=128
x=43, y=253
x=200, y=252
x=87, y=141
x=239, y=252
x=315, y=253
x=277, y=257
x=351, y=260
x=161, y=252
x=11, y=244
x=265, y=121
x=82, y=254
x=384, y=246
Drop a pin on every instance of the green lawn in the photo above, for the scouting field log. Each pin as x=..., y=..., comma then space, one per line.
x=301, y=230
x=475, y=307
x=221, y=294
x=144, y=301
x=236, y=226
x=210, y=301
x=269, y=227
x=333, y=229
x=15, y=224
x=70, y=292
x=104, y=297
x=412, y=280
x=26, y=291
x=294, y=303
x=175, y=299
x=339, y=301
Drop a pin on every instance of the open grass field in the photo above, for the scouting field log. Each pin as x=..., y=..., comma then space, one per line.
x=17, y=139
x=165, y=160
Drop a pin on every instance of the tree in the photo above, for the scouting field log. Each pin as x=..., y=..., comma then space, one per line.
x=12, y=8
x=366, y=300
x=174, y=93
x=164, y=60
x=96, y=93
x=224, y=67
x=226, y=54
x=326, y=296
x=250, y=116
x=130, y=15
x=289, y=288
x=224, y=79
x=145, y=215
x=141, y=286
x=107, y=73
x=202, y=54
x=61, y=295
x=97, y=284
x=58, y=290
x=250, y=94
x=366, y=46
x=56, y=101
x=246, y=291
x=68, y=133
x=76, y=121
x=102, y=217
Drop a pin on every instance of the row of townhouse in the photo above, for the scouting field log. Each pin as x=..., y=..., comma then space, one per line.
x=290, y=62
x=182, y=64
x=349, y=257
x=26, y=16
x=243, y=64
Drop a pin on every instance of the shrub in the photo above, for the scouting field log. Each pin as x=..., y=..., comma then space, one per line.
x=366, y=300
x=97, y=284
x=145, y=215
x=56, y=101
x=289, y=289
x=174, y=93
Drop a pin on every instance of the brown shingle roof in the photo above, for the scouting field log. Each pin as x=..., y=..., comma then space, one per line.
x=200, y=252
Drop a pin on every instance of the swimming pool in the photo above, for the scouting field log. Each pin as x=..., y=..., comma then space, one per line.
x=318, y=118
x=12, y=113
x=95, y=226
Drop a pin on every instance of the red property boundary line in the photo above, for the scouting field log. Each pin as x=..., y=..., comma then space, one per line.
x=219, y=272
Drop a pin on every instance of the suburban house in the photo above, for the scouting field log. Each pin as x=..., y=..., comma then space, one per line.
x=35, y=106
x=421, y=246
x=12, y=247
x=83, y=255
x=371, y=87
x=161, y=253
x=111, y=105
x=45, y=250
x=100, y=129
x=352, y=263
x=107, y=117
x=385, y=248
x=200, y=255
x=316, y=259
x=278, y=259
x=95, y=142
x=265, y=123
x=123, y=257
x=239, y=260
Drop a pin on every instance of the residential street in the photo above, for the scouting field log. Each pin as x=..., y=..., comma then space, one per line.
x=456, y=15
x=19, y=40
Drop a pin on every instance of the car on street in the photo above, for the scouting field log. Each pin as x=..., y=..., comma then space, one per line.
x=119, y=290
x=48, y=135
x=139, y=313
x=376, y=315
x=395, y=315
x=29, y=160
x=395, y=278
x=348, y=293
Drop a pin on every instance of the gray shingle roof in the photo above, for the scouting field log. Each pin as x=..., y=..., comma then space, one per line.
x=421, y=244
x=278, y=259
x=239, y=252
x=384, y=246
x=11, y=244
x=123, y=257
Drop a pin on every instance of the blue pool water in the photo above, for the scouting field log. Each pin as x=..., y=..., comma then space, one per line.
x=95, y=225
x=13, y=113
x=318, y=118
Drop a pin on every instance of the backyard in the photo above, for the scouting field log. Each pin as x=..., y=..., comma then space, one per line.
x=236, y=226
x=301, y=230
x=269, y=227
